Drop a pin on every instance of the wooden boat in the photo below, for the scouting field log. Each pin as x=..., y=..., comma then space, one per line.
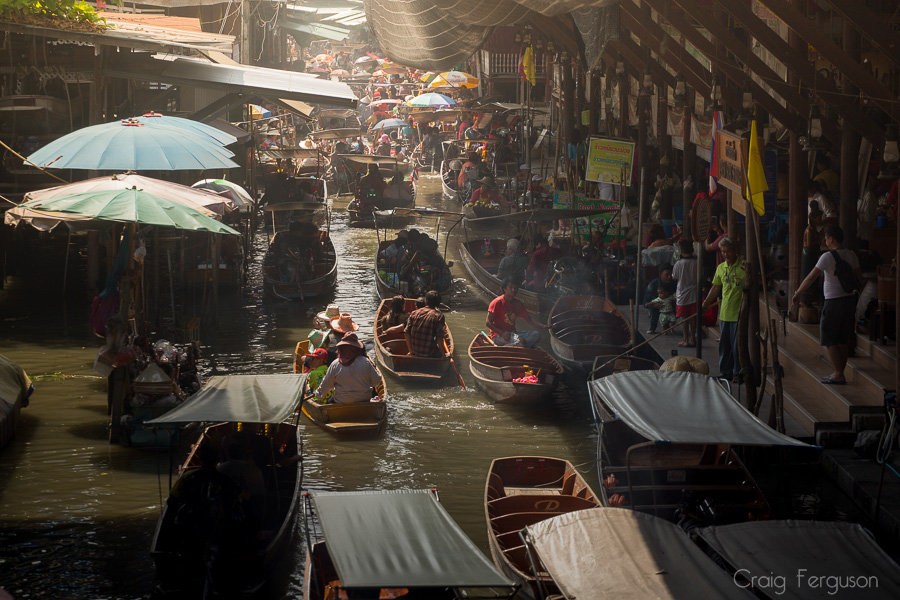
x=199, y=552
x=448, y=182
x=401, y=544
x=471, y=211
x=15, y=389
x=603, y=367
x=359, y=418
x=495, y=369
x=393, y=354
x=36, y=113
x=581, y=327
x=483, y=270
x=654, y=458
x=358, y=165
x=388, y=286
x=290, y=275
x=522, y=491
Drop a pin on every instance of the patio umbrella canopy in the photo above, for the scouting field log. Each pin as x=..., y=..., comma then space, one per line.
x=258, y=112
x=131, y=206
x=389, y=124
x=133, y=146
x=454, y=79
x=432, y=99
x=242, y=195
x=202, y=201
x=189, y=125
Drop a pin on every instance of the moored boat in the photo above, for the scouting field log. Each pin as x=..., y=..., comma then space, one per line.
x=482, y=267
x=393, y=544
x=667, y=447
x=15, y=389
x=300, y=264
x=393, y=354
x=605, y=364
x=581, y=327
x=511, y=373
x=429, y=272
x=210, y=539
x=521, y=491
x=357, y=418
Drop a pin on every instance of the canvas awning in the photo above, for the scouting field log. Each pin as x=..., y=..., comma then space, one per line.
x=285, y=153
x=240, y=399
x=242, y=79
x=335, y=134
x=673, y=406
x=542, y=214
x=801, y=550
x=403, y=538
x=629, y=556
x=316, y=30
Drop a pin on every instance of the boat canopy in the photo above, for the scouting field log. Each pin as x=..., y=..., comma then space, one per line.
x=287, y=153
x=335, y=134
x=543, y=214
x=367, y=159
x=240, y=399
x=280, y=206
x=416, y=211
x=629, y=555
x=800, y=550
x=402, y=538
x=680, y=407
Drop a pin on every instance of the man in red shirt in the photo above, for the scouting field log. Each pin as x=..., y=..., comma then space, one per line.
x=536, y=273
x=501, y=319
x=424, y=330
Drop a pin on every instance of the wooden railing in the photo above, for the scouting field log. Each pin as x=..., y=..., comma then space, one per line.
x=507, y=63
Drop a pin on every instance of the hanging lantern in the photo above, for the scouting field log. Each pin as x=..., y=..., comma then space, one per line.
x=813, y=139
x=551, y=47
x=620, y=65
x=647, y=88
x=747, y=97
x=890, y=156
x=518, y=39
x=680, y=92
x=715, y=93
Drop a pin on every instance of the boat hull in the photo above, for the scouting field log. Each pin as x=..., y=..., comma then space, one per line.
x=15, y=389
x=450, y=191
x=392, y=353
x=387, y=291
x=359, y=418
x=494, y=369
x=482, y=271
x=583, y=327
x=317, y=287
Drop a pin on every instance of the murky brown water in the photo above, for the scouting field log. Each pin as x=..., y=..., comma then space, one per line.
x=77, y=514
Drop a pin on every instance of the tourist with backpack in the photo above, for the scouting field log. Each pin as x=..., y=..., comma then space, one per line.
x=837, y=324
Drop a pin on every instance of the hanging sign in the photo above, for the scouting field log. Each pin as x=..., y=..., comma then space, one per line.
x=607, y=159
x=701, y=132
x=583, y=226
x=675, y=123
x=730, y=157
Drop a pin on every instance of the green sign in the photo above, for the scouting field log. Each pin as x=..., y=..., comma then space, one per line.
x=609, y=160
x=583, y=226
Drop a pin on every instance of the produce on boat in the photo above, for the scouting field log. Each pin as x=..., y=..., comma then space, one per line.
x=511, y=373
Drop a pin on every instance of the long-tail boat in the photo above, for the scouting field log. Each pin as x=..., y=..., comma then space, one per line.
x=581, y=327
x=393, y=354
x=512, y=373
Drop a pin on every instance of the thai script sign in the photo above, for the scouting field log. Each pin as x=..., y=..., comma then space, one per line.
x=607, y=159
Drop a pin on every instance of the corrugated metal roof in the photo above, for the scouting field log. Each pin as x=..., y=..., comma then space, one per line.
x=163, y=27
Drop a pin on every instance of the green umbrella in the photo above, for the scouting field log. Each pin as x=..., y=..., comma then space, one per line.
x=130, y=206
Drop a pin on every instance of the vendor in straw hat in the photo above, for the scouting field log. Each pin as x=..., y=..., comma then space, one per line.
x=352, y=377
x=342, y=325
x=487, y=193
x=324, y=318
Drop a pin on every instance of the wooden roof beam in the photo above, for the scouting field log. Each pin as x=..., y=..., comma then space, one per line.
x=729, y=68
x=637, y=55
x=870, y=26
x=804, y=71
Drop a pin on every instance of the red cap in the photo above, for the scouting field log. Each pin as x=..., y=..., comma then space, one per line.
x=318, y=353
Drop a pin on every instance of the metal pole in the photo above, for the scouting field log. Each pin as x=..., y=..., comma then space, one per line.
x=640, y=243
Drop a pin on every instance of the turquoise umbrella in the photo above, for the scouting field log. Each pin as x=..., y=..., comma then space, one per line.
x=131, y=145
x=130, y=206
x=225, y=139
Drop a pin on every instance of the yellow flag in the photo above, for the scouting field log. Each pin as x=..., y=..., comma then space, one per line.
x=756, y=175
x=528, y=65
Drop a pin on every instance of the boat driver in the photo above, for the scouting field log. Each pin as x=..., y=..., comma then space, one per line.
x=501, y=319
x=371, y=189
x=352, y=377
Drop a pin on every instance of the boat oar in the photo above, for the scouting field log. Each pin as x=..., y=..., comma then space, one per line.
x=462, y=383
x=644, y=343
x=488, y=338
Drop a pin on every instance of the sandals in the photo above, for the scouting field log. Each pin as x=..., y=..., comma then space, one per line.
x=830, y=381
x=684, y=344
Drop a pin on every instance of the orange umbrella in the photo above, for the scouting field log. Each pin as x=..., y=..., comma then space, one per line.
x=325, y=58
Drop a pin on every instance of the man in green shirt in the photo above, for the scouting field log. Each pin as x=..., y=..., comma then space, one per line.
x=729, y=278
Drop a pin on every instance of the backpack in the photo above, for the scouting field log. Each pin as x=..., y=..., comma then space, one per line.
x=844, y=272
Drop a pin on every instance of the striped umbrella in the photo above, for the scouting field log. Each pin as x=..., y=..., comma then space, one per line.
x=428, y=77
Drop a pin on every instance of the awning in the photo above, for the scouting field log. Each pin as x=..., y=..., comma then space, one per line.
x=801, y=550
x=301, y=109
x=628, y=555
x=243, y=136
x=416, y=211
x=285, y=153
x=316, y=30
x=335, y=134
x=403, y=538
x=368, y=159
x=295, y=206
x=673, y=406
x=241, y=79
x=542, y=214
x=240, y=398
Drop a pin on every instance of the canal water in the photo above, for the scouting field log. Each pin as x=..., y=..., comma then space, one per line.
x=77, y=514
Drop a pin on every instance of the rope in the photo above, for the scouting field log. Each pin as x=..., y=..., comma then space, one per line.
x=28, y=162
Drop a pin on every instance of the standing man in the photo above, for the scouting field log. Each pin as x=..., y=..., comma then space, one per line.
x=501, y=319
x=424, y=331
x=836, y=326
x=729, y=278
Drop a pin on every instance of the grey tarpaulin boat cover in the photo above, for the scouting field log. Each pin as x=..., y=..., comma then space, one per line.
x=798, y=551
x=622, y=554
x=401, y=538
x=240, y=398
x=673, y=406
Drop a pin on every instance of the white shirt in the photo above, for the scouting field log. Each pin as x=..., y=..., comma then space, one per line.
x=351, y=384
x=833, y=288
x=685, y=271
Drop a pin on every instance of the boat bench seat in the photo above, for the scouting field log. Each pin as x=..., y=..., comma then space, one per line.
x=518, y=521
x=533, y=503
x=518, y=556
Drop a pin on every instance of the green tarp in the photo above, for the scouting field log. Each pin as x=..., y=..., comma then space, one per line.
x=240, y=399
x=400, y=538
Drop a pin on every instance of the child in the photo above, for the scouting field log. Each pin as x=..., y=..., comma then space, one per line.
x=318, y=365
x=685, y=272
x=665, y=304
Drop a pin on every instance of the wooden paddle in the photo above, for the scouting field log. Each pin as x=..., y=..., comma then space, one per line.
x=462, y=383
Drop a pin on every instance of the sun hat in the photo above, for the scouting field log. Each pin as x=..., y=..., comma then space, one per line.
x=455, y=165
x=351, y=340
x=308, y=144
x=385, y=138
x=317, y=338
x=487, y=180
x=318, y=353
x=344, y=323
x=328, y=314
x=524, y=167
x=536, y=178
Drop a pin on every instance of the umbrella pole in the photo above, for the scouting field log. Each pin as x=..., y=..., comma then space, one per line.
x=215, y=274
x=66, y=265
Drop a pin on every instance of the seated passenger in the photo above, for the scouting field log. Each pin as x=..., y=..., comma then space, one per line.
x=318, y=366
x=352, y=377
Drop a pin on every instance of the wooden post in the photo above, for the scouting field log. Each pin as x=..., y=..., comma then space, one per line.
x=93, y=262
x=798, y=175
x=595, y=102
x=643, y=108
x=215, y=276
x=752, y=274
x=689, y=161
x=850, y=140
x=665, y=150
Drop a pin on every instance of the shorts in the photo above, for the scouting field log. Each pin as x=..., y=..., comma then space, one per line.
x=685, y=311
x=837, y=321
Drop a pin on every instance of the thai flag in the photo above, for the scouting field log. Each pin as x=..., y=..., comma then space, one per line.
x=415, y=174
x=713, y=155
